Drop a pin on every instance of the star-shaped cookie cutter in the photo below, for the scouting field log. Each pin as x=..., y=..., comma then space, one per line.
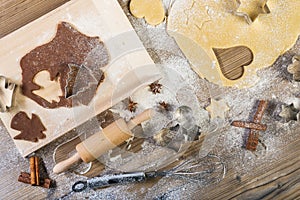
x=291, y=112
x=258, y=7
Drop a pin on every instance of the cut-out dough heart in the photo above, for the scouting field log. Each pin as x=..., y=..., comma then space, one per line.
x=152, y=10
x=49, y=89
x=213, y=25
x=233, y=60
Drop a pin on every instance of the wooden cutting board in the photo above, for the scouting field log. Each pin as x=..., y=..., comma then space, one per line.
x=129, y=67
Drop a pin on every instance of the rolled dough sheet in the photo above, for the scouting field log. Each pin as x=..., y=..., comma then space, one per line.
x=199, y=26
x=130, y=66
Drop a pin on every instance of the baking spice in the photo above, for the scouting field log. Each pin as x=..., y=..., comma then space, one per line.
x=155, y=87
x=47, y=183
x=165, y=106
x=253, y=138
x=37, y=170
x=26, y=178
x=132, y=105
x=32, y=171
x=34, y=177
x=249, y=125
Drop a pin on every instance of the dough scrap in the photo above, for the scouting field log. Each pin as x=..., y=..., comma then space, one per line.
x=152, y=10
x=199, y=26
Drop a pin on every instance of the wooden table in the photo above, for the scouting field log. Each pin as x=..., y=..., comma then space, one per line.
x=277, y=180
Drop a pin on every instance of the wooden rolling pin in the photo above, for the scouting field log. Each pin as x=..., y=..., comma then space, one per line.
x=103, y=141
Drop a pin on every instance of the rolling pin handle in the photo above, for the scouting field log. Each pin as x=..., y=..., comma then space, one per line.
x=144, y=116
x=66, y=164
x=87, y=156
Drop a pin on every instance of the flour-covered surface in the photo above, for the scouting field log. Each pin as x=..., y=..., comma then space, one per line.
x=266, y=172
x=86, y=17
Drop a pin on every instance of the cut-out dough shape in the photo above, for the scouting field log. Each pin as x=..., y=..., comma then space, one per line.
x=217, y=108
x=251, y=9
x=214, y=26
x=31, y=129
x=49, y=90
x=152, y=10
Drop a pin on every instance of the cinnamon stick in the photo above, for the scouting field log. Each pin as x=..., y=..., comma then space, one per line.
x=252, y=140
x=47, y=183
x=250, y=125
x=24, y=178
x=37, y=170
x=253, y=137
x=25, y=175
x=262, y=106
x=32, y=171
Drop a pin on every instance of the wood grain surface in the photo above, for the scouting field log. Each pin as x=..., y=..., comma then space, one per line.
x=16, y=13
x=277, y=180
x=108, y=93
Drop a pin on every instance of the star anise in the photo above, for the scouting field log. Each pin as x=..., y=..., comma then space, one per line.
x=165, y=106
x=131, y=105
x=155, y=87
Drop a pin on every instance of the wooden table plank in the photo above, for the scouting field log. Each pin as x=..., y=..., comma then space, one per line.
x=16, y=13
x=278, y=180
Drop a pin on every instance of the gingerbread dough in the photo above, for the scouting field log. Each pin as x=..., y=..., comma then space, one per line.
x=72, y=58
x=201, y=26
x=31, y=129
x=152, y=10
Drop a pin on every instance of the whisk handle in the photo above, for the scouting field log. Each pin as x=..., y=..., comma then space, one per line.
x=112, y=179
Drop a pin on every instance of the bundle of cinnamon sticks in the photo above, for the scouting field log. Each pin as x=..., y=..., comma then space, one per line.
x=33, y=177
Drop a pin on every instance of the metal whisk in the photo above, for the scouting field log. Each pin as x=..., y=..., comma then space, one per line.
x=209, y=169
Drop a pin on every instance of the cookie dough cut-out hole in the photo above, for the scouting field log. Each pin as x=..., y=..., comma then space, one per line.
x=233, y=60
x=50, y=90
x=251, y=9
